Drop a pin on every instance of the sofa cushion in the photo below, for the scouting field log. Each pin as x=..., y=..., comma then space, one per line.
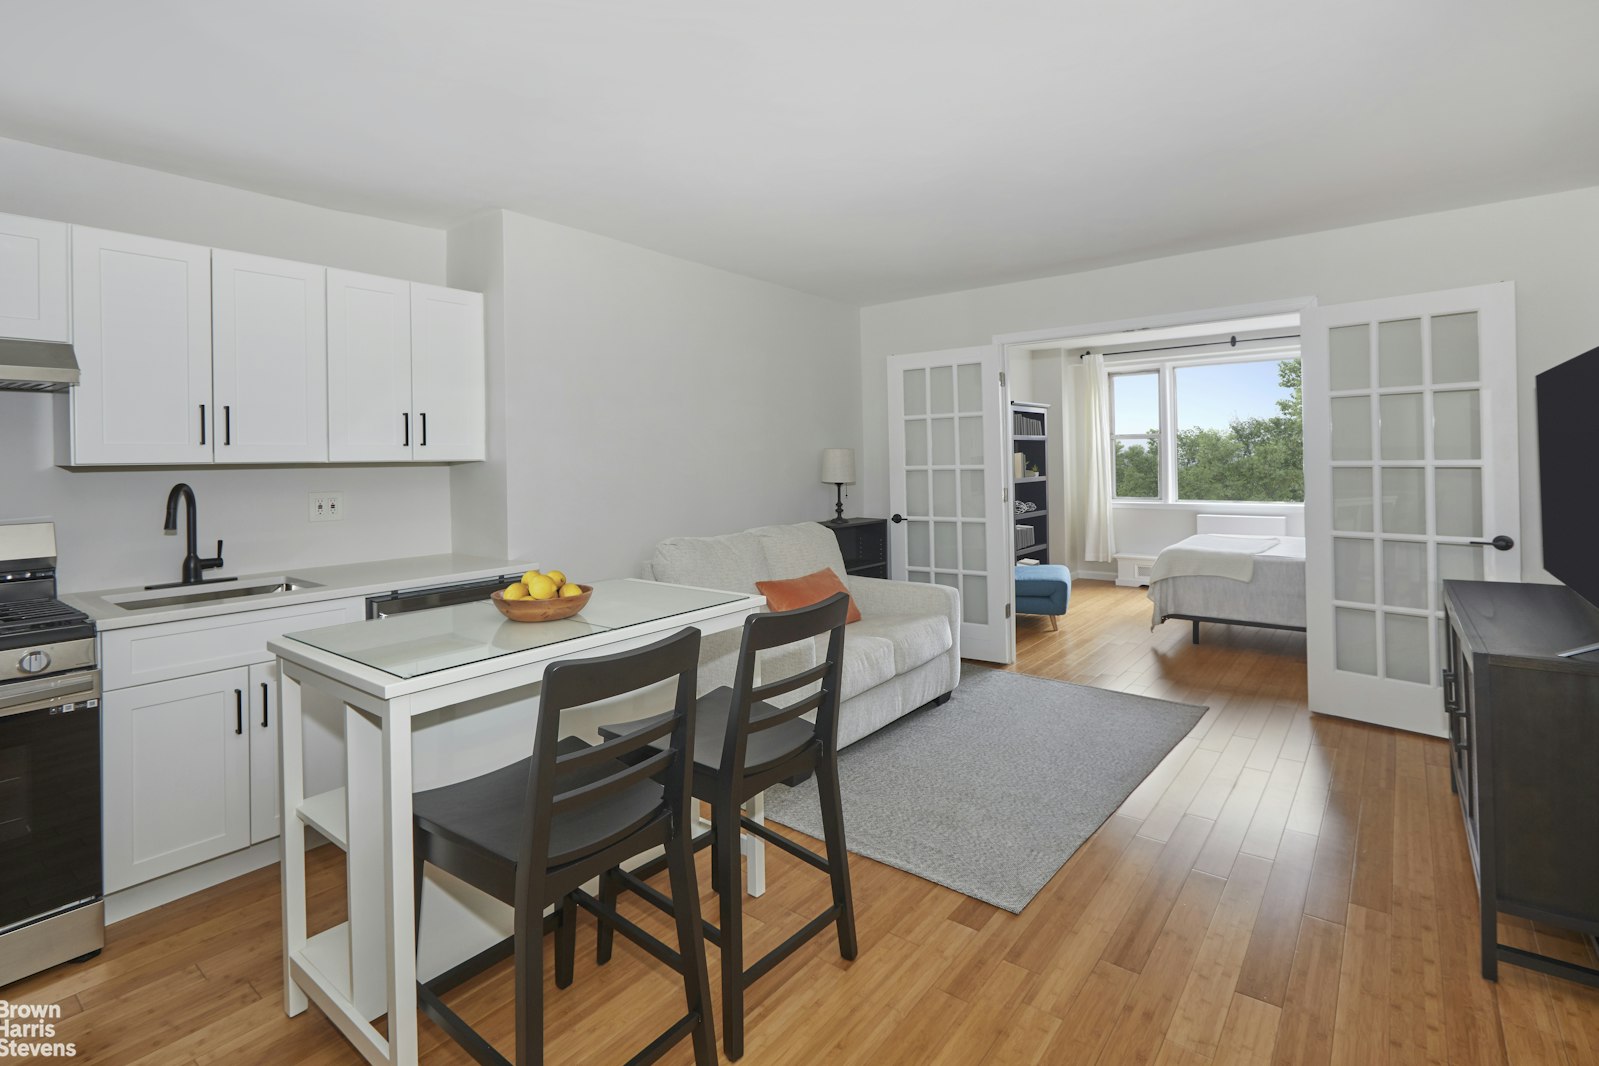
x=868, y=662
x=915, y=638
x=803, y=548
x=734, y=562
x=793, y=593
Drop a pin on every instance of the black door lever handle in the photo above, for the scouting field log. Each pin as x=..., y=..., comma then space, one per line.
x=1499, y=543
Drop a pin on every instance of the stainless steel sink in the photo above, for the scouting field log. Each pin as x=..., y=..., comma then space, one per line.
x=143, y=601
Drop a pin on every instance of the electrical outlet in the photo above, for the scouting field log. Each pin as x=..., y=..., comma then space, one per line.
x=327, y=506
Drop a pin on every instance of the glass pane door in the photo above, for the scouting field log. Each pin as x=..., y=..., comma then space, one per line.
x=1402, y=400
x=945, y=490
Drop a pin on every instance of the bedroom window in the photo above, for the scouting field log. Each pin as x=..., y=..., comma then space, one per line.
x=1239, y=433
x=1135, y=434
x=1214, y=430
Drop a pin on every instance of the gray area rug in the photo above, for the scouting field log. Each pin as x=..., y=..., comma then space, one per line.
x=991, y=793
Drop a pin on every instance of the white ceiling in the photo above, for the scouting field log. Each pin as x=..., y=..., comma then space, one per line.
x=861, y=149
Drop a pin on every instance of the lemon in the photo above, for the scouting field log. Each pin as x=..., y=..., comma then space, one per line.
x=568, y=591
x=517, y=591
x=557, y=576
x=540, y=587
x=527, y=578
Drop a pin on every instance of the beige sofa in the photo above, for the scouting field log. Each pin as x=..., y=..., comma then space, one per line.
x=902, y=654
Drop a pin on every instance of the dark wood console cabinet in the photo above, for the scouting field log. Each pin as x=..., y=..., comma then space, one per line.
x=864, y=544
x=1524, y=735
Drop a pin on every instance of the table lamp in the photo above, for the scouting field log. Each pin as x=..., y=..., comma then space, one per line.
x=838, y=470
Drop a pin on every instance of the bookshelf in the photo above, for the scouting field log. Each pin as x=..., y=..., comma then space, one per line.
x=1030, y=478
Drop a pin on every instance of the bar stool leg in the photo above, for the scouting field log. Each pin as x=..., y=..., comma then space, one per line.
x=731, y=898
x=529, y=966
x=691, y=944
x=566, y=942
x=837, y=856
x=607, y=935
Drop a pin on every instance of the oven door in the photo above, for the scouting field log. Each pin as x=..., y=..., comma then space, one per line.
x=49, y=795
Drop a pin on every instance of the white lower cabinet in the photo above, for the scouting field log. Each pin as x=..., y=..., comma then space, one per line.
x=177, y=775
x=189, y=738
x=262, y=725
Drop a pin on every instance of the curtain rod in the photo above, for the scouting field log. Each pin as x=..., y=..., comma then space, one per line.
x=1232, y=342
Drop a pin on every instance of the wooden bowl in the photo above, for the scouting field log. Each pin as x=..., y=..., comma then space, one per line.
x=541, y=610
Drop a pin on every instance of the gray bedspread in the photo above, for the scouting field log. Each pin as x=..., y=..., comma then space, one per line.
x=1275, y=595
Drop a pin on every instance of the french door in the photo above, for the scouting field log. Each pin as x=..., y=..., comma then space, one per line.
x=951, y=520
x=1410, y=480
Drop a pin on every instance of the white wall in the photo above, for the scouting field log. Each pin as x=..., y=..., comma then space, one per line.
x=636, y=396
x=1546, y=245
x=108, y=523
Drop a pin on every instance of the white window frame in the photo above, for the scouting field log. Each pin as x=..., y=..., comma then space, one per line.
x=1165, y=371
x=1158, y=439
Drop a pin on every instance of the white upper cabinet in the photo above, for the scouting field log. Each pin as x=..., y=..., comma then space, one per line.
x=190, y=355
x=269, y=360
x=33, y=279
x=447, y=374
x=141, y=326
x=369, y=368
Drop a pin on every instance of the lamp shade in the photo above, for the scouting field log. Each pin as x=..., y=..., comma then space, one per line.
x=838, y=466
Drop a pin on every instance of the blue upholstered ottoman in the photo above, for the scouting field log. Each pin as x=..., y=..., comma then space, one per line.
x=1043, y=589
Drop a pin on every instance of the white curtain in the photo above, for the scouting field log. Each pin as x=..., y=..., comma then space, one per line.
x=1091, y=448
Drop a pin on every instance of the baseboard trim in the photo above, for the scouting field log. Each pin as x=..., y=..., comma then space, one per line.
x=174, y=886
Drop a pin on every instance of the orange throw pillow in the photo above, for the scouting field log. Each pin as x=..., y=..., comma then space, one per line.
x=799, y=592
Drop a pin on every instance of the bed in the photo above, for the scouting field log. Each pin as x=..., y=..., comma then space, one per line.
x=1236, y=570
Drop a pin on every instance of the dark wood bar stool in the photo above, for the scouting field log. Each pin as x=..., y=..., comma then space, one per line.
x=743, y=745
x=531, y=833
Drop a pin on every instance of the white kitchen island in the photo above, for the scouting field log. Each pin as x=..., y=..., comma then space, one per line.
x=429, y=698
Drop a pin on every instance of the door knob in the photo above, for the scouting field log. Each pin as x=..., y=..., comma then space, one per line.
x=1499, y=543
x=897, y=519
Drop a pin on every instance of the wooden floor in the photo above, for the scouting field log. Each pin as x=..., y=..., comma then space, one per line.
x=1283, y=889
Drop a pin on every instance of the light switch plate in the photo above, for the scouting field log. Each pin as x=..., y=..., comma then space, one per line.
x=327, y=506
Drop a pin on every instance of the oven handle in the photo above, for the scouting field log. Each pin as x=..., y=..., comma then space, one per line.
x=25, y=696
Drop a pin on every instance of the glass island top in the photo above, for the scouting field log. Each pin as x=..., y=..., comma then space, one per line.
x=421, y=642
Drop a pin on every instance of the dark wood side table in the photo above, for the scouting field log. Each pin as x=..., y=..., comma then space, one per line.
x=864, y=544
x=1524, y=758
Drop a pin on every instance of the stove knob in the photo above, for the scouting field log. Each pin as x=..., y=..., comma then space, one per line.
x=34, y=662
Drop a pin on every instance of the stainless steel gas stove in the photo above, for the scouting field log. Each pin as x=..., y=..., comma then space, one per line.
x=51, y=908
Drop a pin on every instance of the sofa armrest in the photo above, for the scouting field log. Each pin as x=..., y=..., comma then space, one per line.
x=874, y=596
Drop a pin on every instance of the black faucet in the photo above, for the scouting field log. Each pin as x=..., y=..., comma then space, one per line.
x=193, y=565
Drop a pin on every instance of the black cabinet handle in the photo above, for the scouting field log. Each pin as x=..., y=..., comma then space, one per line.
x=238, y=712
x=227, y=424
x=202, y=423
x=897, y=519
x=424, y=429
x=406, y=416
x=264, y=720
x=1500, y=543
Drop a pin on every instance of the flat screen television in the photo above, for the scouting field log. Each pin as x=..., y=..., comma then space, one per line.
x=1568, y=464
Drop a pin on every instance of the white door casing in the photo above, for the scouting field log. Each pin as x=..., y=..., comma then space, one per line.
x=948, y=487
x=369, y=369
x=269, y=359
x=1410, y=474
x=141, y=326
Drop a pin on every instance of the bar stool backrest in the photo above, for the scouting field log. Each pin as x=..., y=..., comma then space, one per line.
x=577, y=682
x=763, y=632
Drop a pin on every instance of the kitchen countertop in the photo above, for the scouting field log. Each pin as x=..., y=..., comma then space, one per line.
x=321, y=583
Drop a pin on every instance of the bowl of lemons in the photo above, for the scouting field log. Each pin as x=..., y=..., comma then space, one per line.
x=542, y=596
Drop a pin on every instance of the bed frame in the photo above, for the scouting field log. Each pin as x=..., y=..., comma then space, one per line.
x=1196, y=619
x=1246, y=525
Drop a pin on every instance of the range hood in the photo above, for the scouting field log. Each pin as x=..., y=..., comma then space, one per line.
x=37, y=366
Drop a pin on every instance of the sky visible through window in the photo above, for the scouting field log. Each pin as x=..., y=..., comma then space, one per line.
x=1211, y=397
